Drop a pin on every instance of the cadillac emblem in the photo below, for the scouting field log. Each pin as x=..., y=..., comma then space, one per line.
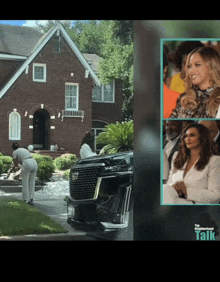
x=75, y=176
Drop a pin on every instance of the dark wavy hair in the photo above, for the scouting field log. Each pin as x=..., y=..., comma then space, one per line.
x=15, y=146
x=184, y=49
x=208, y=148
x=89, y=139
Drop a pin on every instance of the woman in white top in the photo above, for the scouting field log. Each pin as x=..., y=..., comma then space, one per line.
x=87, y=146
x=28, y=172
x=195, y=171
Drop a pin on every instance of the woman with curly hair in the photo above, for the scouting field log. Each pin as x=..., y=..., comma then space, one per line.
x=201, y=98
x=195, y=171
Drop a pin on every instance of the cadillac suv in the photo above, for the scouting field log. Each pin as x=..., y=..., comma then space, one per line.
x=100, y=199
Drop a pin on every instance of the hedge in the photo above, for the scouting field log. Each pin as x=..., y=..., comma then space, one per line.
x=65, y=162
x=45, y=166
x=6, y=160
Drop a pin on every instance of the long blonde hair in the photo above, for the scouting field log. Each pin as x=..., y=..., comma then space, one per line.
x=212, y=58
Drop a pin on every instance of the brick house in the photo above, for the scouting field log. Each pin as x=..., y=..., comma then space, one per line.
x=49, y=91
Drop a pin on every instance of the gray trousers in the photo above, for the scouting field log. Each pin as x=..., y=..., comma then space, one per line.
x=28, y=173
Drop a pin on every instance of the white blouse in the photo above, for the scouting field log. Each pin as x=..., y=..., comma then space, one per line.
x=202, y=186
x=86, y=151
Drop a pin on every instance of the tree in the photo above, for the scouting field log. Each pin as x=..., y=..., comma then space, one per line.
x=117, y=53
x=117, y=137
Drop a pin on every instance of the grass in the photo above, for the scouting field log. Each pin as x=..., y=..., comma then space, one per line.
x=19, y=218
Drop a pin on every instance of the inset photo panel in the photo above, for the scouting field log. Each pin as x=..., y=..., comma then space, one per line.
x=190, y=74
x=190, y=162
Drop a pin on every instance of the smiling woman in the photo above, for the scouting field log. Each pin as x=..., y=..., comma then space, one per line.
x=202, y=95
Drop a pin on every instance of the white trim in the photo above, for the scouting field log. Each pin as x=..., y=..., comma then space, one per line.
x=38, y=48
x=45, y=72
x=77, y=97
x=12, y=57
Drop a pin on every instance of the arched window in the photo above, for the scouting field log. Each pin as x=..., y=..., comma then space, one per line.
x=14, y=126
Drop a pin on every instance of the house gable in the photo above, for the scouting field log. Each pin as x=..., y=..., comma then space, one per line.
x=41, y=43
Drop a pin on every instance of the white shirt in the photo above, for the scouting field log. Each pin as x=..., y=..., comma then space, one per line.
x=170, y=144
x=21, y=154
x=203, y=186
x=86, y=151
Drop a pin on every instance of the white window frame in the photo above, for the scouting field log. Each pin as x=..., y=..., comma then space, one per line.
x=103, y=96
x=77, y=97
x=45, y=72
x=11, y=127
x=95, y=129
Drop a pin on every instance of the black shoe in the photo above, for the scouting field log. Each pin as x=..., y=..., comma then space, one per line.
x=31, y=202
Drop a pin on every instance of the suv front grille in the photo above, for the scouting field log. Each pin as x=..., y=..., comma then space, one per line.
x=83, y=188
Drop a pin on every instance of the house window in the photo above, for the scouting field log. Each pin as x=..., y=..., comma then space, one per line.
x=97, y=127
x=39, y=72
x=14, y=126
x=71, y=96
x=104, y=93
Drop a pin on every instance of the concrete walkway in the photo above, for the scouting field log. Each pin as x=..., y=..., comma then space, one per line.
x=55, y=207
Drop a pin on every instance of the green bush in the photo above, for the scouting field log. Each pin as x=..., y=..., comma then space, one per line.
x=6, y=160
x=1, y=167
x=45, y=166
x=65, y=162
x=66, y=174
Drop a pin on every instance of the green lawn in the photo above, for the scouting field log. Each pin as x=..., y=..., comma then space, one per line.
x=19, y=218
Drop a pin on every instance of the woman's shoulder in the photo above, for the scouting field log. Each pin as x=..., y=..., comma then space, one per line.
x=85, y=146
x=214, y=159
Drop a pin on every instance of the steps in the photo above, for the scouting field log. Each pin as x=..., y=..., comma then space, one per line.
x=14, y=186
x=52, y=154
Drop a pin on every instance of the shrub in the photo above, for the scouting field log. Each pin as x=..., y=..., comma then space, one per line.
x=6, y=160
x=116, y=137
x=65, y=162
x=45, y=166
x=1, y=167
x=66, y=174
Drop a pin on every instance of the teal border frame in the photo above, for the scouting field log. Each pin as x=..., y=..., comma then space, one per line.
x=162, y=40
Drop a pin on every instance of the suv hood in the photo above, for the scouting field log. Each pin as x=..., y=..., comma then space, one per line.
x=111, y=159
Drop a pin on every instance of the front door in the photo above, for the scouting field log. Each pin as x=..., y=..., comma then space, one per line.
x=41, y=130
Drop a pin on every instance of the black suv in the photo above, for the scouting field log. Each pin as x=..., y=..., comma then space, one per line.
x=100, y=193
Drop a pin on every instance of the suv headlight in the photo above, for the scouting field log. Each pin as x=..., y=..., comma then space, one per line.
x=117, y=168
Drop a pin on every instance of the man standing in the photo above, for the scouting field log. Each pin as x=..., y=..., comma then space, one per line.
x=173, y=129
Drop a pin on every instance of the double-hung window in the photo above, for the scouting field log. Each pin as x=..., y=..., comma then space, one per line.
x=39, y=72
x=71, y=96
x=104, y=93
x=14, y=126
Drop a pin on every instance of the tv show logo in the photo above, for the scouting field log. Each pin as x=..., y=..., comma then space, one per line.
x=204, y=233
